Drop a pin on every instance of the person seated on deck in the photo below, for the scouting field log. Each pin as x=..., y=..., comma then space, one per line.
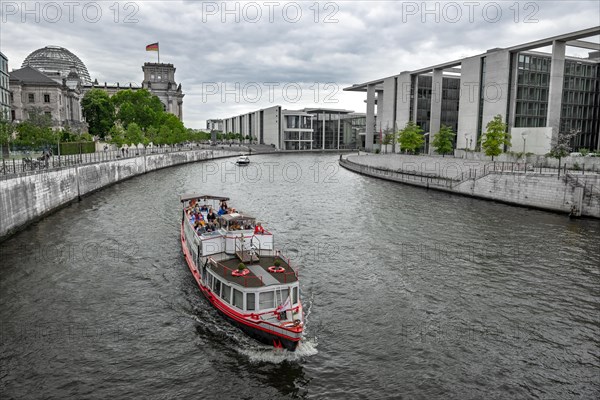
x=258, y=229
x=224, y=204
x=211, y=217
x=222, y=211
x=204, y=208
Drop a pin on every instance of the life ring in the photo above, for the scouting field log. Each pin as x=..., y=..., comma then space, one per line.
x=243, y=272
x=275, y=269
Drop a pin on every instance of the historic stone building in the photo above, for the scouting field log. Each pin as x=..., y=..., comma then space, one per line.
x=35, y=92
x=159, y=79
x=53, y=81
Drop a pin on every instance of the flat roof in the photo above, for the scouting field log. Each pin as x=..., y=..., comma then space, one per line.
x=571, y=39
x=192, y=196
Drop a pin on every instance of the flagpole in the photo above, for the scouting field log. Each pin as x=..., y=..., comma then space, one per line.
x=158, y=51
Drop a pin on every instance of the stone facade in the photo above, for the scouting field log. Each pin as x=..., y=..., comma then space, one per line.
x=159, y=79
x=32, y=91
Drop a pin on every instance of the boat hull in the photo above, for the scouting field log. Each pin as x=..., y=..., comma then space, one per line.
x=250, y=328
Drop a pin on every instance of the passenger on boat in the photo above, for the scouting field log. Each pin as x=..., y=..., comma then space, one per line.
x=222, y=211
x=258, y=229
x=211, y=217
x=204, y=208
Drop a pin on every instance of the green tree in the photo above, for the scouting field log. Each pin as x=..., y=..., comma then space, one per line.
x=410, y=138
x=387, y=140
x=139, y=106
x=99, y=112
x=495, y=137
x=561, y=147
x=443, y=140
x=134, y=135
x=6, y=131
x=117, y=135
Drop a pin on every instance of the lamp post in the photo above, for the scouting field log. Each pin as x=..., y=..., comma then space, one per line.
x=524, y=136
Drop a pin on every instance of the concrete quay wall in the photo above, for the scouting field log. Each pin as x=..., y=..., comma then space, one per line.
x=535, y=190
x=25, y=199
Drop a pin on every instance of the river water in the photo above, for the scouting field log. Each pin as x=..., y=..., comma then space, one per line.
x=408, y=293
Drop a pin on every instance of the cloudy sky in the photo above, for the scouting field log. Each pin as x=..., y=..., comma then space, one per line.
x=236, y=57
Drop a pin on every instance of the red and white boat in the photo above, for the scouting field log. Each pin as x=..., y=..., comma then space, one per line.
x=237, y=268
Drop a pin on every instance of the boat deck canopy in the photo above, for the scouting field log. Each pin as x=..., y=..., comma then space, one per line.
x=195, y=196
x=236, y=217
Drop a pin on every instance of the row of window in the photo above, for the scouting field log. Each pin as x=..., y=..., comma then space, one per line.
x=531, y=109
x=264, y=300
x=534, y=63
x=31, y=97
x=585, y=84
x=530, y=122
x=532, y=93
x=578, y=98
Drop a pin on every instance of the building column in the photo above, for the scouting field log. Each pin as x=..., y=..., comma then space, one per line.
x=557, y=75
x=436, y=106
x=415, y=99
x=370, y=121
x=379, y=116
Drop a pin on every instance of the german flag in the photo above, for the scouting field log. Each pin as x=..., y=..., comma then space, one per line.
x=152, y=47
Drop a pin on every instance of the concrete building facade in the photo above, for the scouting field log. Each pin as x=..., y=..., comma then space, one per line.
x=539, y=95
x=4, y=88
x=305, y=129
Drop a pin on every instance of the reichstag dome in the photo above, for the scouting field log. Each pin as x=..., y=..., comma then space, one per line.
x=54, y=59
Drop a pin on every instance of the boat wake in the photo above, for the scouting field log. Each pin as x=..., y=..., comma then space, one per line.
x=261, y=353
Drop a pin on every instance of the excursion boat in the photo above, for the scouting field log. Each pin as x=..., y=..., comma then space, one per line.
x=239, y=271
x=243, y=160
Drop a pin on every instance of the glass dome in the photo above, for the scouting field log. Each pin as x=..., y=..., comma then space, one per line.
x=55, y=59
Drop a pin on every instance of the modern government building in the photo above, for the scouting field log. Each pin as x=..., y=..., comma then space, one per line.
x=306, y=129
x=539, y=94
x=52, y=80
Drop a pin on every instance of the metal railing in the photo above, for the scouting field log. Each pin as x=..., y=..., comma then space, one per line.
x=10, y=167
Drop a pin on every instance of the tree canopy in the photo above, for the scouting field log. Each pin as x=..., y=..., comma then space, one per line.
x=495, y=137
x=442, y=141
x=99, y=112
x=410, y=138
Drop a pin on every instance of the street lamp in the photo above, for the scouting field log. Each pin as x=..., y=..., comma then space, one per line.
x=524, y=136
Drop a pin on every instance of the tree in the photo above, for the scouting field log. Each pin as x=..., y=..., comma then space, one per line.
x=134, y=135
x=117, y=135
x=410, y=138
x=561, y=146
x=99, y=112
x=443, y=140
x=387, y=140
x=140, y=106
x=6, y=131
x=495, y=137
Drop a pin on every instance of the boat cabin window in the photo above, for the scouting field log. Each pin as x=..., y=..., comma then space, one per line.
x=281, y=296
x=250, y=302
x=295, y=295
x=238, y=299
x=217, y=286
x=266, y=300
x=226, y=293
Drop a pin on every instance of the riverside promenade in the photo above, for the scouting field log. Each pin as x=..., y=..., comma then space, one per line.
x=26, y=196
x=522, y=184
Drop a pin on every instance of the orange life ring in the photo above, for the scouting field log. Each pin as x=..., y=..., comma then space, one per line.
x=275, y=269
x=243, y=272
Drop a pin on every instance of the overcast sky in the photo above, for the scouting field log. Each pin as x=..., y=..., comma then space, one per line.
x=294, y=54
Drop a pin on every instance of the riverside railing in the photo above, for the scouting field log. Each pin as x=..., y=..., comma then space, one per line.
x=9, y=167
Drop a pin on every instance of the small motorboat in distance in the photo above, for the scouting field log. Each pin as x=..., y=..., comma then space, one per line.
x=234, y=262
x=243, y=160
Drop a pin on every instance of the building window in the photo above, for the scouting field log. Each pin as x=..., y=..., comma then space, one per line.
x=31, y=97
x=12, y=114
x=46, y=98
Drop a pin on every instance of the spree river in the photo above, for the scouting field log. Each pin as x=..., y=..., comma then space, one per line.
x=408, y=293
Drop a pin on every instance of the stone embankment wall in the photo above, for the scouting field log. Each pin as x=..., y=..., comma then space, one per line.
x=25, y=198
x=528, y=189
